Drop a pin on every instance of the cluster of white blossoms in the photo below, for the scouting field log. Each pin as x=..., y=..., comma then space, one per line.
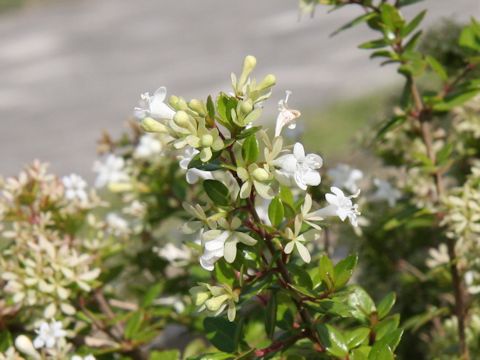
x=232, y=165
x=110, y=170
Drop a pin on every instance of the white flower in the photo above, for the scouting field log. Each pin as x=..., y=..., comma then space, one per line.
x=110, y=170
x=74, y=187
x=78, y=357
x=174, y=254
x=192, y=175
x=117, y=225
x=385, y=191
x=48, y=334
x=345, y=177
x=147, y=147
x=472, y=282
x=339, y=205
x=154, y=106
x=300, y=167
x=438, y=256
x=174, y=301
x=296, y=241
x=286, y=116
x=223, y=243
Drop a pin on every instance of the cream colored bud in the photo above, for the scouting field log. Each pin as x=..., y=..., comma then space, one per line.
x=246, y=107
x=151, y=125
x=215, y=303
x=260, y=174
x=25, y=346
x=268, y=81
x=173, y=101
x=207, y=140
x=181, y=118
x=249, y=63
x=197, y=106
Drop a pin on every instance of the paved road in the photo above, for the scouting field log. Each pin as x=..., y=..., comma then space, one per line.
x=71, y=69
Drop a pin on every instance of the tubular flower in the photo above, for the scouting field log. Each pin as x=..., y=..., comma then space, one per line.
x=154, y=106
x=339, y=205
x=300, y=168
x=296, y=241
x=286, y=116
x=385, y=191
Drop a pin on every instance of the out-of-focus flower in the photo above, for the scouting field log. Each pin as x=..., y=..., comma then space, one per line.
x=147, y=147
x=117, y=225
x=110, y=170
x=339, y=205
x=385, y=191
x=48, y=334
x=174, y=301
x=438, y=256
x=78, y=357
x=154, y=106
x=75, y=187
x=25, y=346
x=345, y=177
x=286, y=116
x=174, y=254
x=303, y=169
x=472, y=282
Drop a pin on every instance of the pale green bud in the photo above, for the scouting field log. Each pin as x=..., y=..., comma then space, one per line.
x=25, y=346
x=197, y=106
x=248, y=65
x=173, y=101
x=214, y=304
x=246, y=107
x=181, y=118
x=151, y=125
x=207, y=140
x=260, y=174
x=268, y=81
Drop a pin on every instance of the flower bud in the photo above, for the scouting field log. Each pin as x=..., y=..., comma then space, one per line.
x=260, y=174
x=151, y=125
x=181, y=118
x=214, y=304
x=268, y=81
x=246, y=107
x=25, y=346
x=173, y=101
x=197, y=106
x=207, y=140
x=248, y=66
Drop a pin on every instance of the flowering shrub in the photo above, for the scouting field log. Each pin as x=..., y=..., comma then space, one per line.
x=207, y=236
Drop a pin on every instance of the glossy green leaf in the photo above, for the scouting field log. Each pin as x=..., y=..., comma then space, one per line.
x=362, y=305
x=326, y=272
x=343, y=271
x=165, y=355
x=412, y=25
x=358, y=20
x=333, y=340
x=276, y=211
x=217, y=192
x=356, y=337
x=385, y=305
x=221, y=333
x=250, y=149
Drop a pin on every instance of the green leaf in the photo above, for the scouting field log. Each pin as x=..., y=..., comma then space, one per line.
x=456, y=99
x=412, y=43
x=212, y=356
x=362, y=305
x=221, y=333
x=390, y=124
x=392, y=339
x=6, y=340
x=412, y=25
x=387, y=325
x=224, y=273
x=380, y=352
x=210, y=108
x=385, y=305
x=276, y=212
x=437, y=67
x=133, y=325
x=403, y=3
x=271, y=315
x=343, y=271
x=327, y=272
x=247, y=132
x=217, y=192
x=445, y=153
x=225, y=104
x=356, y=337
x=374, y=44
x=361, y=353
x=358, y=20
x=333, y=340
x=470, y=36
x=250, y=149
x=391, y=17
x=165, y=355
x=151, y=294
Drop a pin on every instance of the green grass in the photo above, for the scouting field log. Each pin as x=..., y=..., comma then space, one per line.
x=335, y=129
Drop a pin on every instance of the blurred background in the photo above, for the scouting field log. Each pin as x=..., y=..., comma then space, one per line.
x=70, y=69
